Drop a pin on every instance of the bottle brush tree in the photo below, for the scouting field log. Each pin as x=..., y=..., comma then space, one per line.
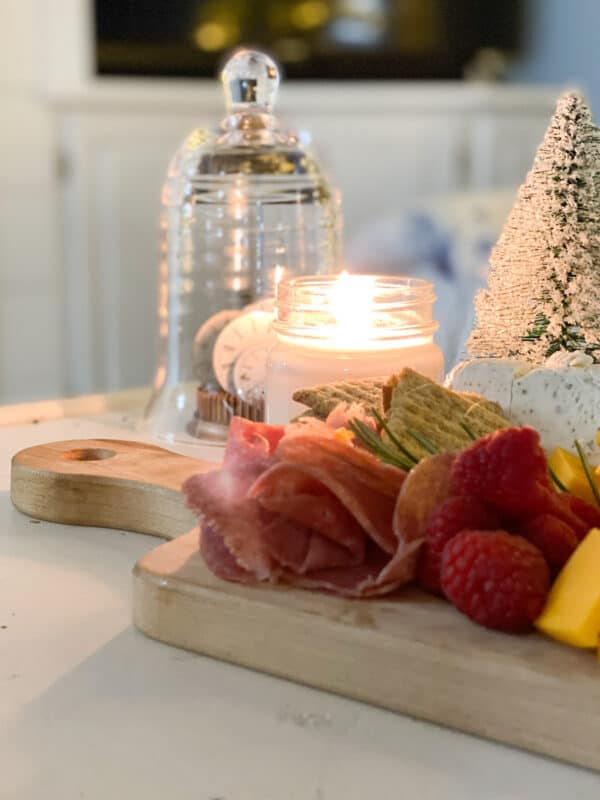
x=543, y=290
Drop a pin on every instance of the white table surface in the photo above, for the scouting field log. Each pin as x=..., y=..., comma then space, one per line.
x=91, y=708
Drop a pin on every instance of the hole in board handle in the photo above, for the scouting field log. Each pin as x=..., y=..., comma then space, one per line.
x=88, y=454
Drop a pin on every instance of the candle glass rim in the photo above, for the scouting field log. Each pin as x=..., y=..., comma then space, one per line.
x=418, y=287
x=302, y=309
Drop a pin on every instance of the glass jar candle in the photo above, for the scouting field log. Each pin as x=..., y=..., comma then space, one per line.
x=342, y=327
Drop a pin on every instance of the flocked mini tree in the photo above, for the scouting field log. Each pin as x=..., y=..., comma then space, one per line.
x=544, y=281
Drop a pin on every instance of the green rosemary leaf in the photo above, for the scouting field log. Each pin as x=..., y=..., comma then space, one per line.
x=395, y=462
x=365, y=434
x=376, y=445
x=423, y=441
x=588, y=472
x=556, y=480
x=393, y=438
x=468, y=431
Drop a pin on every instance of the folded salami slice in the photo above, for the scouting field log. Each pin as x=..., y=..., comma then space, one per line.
x=219, y=559
x=219, y=497
x=302, y=509
x=251, y=445
x=366, y=488
x=296, y=492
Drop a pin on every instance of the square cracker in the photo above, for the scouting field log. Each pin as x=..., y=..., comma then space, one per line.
x=322, y=399
x=417, y=405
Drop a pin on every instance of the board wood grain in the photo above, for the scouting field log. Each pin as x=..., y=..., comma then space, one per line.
x=106, y=483
x=409, y=653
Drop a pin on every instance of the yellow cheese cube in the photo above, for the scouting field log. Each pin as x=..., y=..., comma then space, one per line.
x=569, y=471
x=572, y=610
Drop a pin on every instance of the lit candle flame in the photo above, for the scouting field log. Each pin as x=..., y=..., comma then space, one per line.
x=351, y=304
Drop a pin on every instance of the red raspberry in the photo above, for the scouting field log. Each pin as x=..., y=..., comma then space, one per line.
x=553, y=537
x=497, y=579
x=589, y=515
x=557, y=505
x=451, y=517
x=506, y=470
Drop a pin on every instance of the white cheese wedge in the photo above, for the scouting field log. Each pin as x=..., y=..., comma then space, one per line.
x=561, y=402
x=492, y=378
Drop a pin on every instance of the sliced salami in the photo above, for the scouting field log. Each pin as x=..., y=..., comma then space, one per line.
x=338, y=455
x=251, y=444
x=219, y=559
x=297, y=493
x=300, y=550
x=219, y=499
x=304, y=509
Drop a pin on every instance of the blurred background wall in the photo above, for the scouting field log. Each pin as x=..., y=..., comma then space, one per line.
x=560, y=45
x=83, y=155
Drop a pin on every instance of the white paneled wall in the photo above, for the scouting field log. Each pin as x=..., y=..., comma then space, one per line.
x=115, y=163
x=31, y=329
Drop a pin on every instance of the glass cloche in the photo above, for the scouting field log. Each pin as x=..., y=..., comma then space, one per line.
x=242, y=208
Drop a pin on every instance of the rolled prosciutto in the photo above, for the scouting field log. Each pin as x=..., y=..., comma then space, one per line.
x=303, y=508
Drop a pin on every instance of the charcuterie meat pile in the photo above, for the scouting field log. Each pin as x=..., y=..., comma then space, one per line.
x=304, y=508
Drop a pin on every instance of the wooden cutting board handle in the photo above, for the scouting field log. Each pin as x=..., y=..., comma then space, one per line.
x=106, y=483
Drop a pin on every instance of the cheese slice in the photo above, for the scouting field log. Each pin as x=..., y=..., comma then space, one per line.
x=561, y=402
x=572, y=610
x=491, y=377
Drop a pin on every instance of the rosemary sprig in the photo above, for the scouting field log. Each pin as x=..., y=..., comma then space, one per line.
x=365, y=434
x=556, y=480
x=377, y=446
x=393, y=438
x=588, y=472
x=468, y=430
x=423, y=441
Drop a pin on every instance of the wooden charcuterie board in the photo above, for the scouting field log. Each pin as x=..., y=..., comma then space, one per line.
x=409, y=653
x=106, y=483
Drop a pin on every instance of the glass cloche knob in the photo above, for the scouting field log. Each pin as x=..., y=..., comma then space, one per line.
x=250, y=80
